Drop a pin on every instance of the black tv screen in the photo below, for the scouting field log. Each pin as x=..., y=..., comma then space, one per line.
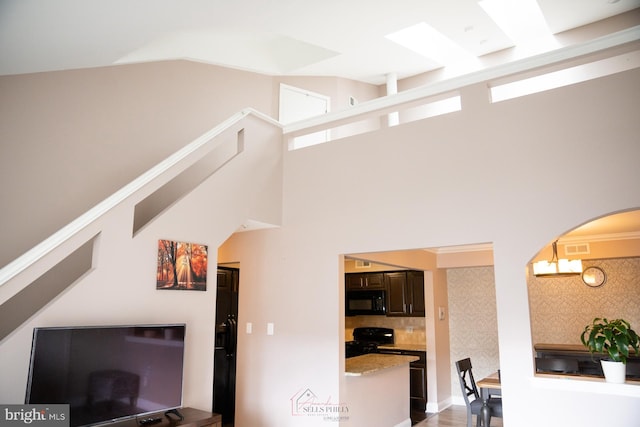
x=107, y=373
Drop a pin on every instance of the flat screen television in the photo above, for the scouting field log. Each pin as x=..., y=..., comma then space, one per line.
x=107, y=373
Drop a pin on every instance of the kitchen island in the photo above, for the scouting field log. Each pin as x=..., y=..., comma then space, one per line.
x=404, y=347
x=377, y=389
x=417, y=374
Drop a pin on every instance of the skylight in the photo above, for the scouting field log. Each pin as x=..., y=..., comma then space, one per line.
x=522, y=21
x=427, y=41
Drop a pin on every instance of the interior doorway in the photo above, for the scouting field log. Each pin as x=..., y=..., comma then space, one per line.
x=225, y=353
x=299, y=104
x=451, y=274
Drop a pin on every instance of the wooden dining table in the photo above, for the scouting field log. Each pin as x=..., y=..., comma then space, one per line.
x=487, y=385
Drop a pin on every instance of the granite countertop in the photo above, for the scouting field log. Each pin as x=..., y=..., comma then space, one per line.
x=374, y=362
x=409, y=347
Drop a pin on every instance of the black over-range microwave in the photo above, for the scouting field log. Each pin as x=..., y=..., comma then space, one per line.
x=365, y=302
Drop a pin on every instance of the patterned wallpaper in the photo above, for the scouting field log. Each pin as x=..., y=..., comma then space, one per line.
x=473, y=322
x=561, y=307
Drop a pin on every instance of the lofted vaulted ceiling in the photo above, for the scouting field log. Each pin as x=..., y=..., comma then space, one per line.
x=280, y=37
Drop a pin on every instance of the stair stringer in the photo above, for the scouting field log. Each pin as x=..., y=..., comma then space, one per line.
x=249, y=184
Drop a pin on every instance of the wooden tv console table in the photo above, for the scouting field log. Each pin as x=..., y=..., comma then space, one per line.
x=192, y=418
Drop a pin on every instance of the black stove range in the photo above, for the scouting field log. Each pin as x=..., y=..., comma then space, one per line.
x=367, y=339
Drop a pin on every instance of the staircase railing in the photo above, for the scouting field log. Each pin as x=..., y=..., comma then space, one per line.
x=417, y=96
x=190, y=154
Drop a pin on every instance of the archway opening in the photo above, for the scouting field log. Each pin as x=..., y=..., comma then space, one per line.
x=608, y=286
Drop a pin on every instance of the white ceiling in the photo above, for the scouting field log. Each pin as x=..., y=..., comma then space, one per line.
x=344, y=38
x=620, y=224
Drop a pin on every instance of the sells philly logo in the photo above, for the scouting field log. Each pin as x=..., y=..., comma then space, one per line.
x=306, y=403
x=34, y=415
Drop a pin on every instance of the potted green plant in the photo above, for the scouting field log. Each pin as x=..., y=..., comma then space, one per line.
x=613, y=339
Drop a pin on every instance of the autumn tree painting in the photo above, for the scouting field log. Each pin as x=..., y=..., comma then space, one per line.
x=181, y=266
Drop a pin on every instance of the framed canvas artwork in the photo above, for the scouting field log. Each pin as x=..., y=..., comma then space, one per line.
x=181, y=266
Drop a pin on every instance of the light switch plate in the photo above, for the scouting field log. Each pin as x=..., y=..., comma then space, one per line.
x=249, y=327
x=269, y=328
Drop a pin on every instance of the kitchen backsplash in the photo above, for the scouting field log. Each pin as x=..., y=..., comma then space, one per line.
x=408, y=330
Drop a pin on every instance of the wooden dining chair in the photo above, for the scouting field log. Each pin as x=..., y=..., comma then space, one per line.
x=471, y=396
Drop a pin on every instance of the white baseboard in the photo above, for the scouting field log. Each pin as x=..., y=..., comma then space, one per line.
x=405, y=423
x=435, y=407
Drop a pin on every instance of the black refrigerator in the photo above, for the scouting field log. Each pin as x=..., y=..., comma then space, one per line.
x=224, y=379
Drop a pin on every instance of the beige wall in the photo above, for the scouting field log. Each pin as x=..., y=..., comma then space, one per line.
x=615, y=247
x=72, y=138
x=350, y=267
x=464, y=178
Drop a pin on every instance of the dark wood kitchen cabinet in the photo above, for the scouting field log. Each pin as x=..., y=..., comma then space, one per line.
x=405, y=293
x=364, y=281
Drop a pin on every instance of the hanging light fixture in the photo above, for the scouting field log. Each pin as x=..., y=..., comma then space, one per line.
x=557, y=267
